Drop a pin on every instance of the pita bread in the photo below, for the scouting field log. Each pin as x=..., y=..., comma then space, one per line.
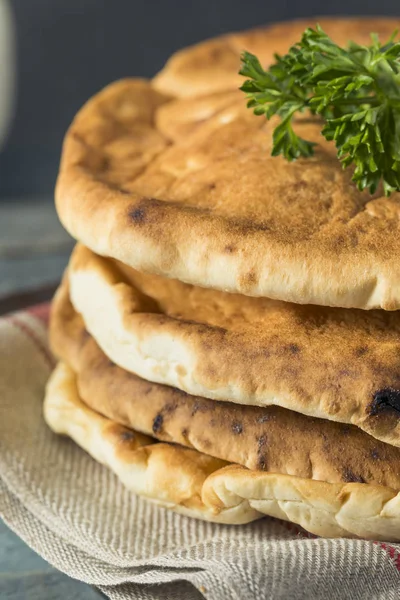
x=199, y=198
x=212, y=65
x=269, y=439
x=337, y=364
x=194, y=484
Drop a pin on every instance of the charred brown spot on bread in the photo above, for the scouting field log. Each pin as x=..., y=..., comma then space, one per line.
x=248, y=280
x=170, y=408
x=387, y=399
x=138, y=215
x=263, y=418
x=342, y=242
x=158, y=423
x=145, y=211
x=245, y=226
x=263, y=226
x=261, y=453
x=120, y=435
x=230, y=249
x=350, y=477
x=237, y=428
x=375, y=454
x=127, y=436
x=293, y=348
x=184, y=432
x=338, y=242
x=361, y=351
x=262, y=462
x=262, y=441
x=251, y=277
x=202, y=406
x=345, y=429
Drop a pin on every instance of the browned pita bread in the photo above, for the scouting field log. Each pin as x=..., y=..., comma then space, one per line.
x=338, y=364
x=199, y=198
x=194, y=484
x=270, y=439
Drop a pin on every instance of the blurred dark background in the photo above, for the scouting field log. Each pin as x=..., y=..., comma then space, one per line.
x=69, y=49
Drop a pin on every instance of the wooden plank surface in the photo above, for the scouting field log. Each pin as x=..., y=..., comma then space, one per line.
x=26, y=576
x=34, y=251
x=34, y=248
x=21, y=300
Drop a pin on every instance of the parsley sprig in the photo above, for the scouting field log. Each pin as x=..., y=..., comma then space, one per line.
x=356, y=91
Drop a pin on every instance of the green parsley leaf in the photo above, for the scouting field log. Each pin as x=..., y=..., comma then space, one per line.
x=356, y=92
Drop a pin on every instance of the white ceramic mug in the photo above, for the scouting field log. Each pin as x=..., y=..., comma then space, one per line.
x=7, y=68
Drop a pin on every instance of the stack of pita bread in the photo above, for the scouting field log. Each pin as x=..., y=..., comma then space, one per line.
x=228, y=329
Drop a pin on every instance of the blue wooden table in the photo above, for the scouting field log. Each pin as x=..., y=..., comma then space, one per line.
x=26, y=576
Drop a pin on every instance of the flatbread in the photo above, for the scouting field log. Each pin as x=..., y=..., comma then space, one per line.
x=337, y=364
x=194, y=484
x=269, y=439
x=212, y=65
x=197, y=197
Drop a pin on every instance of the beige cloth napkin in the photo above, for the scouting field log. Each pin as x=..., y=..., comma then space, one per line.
x=76, y=514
